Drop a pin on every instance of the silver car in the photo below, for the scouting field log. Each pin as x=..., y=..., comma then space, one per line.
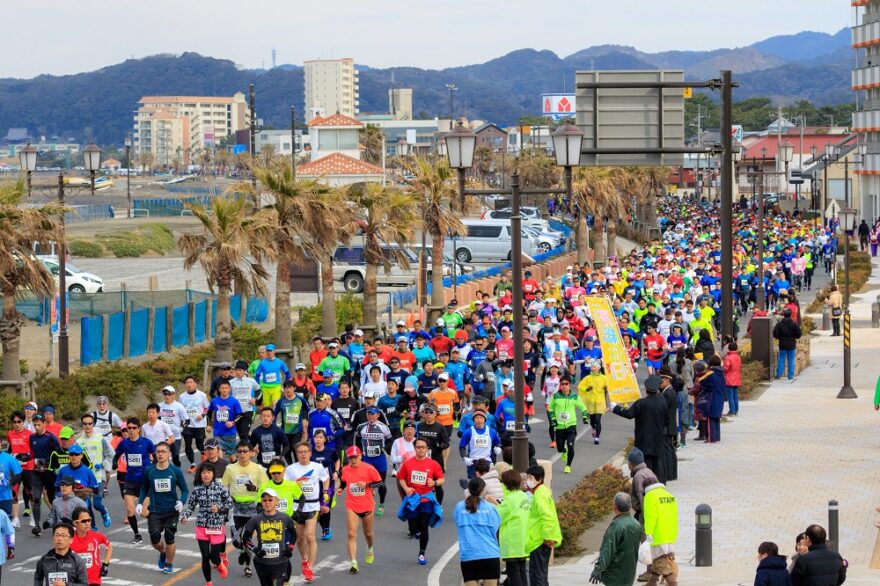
x=350, y=268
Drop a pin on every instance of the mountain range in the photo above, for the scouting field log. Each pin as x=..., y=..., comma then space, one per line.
x=99, y=104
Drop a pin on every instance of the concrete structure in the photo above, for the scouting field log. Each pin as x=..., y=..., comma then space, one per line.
x=400, y=103
x=335, y=153
x=179, y=127
x=404, y=136
x=331, y=86
x=866, y=80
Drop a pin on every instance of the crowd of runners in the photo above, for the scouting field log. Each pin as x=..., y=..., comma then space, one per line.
x=260, y=458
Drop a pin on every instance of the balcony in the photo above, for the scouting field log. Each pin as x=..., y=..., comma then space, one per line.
x=866, y=35
x=871, y=165
x=866, y=78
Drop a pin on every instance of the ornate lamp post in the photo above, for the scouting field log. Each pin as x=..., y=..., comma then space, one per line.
x=847, y=223
x=28, y=158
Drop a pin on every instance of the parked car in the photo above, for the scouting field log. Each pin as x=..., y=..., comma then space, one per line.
x=448, y=262
x=531, y=217
x=77, y=280
x=488, y=241
x=350, y=268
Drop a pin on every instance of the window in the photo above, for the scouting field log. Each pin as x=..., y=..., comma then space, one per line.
x=328, y=140
x=484, y=231
x=348, y=139
x=349, y=256
x=501, y=215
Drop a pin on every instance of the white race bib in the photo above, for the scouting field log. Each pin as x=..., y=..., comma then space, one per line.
x=291, y=418
x=373, y=451
x=444, y=409
x=193, y=412
x=481, y=441
x=271, y=378
x=309, y=489
x=223, y=415
x=563, y=416
x=267, y=457
x=87, y=560
x=356, y=490
x=344, y=412
x=420, y=478
x=134, y=460
x=57, y=576
x=510, y=425
x=242, y=479
x=282, y=505
x=273, y=550
x=162, y=484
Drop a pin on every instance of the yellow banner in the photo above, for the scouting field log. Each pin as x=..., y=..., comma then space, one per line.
x=622, y=384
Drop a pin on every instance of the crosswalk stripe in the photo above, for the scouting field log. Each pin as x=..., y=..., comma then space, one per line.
x=143, y=548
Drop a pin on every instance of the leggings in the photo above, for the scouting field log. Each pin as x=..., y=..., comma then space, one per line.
x=421, y=525
x=25, y=484
x=808, y=278
x=239, y=522
x=272, y=574
x=97, y=502
x=552, y=428
x=243, y=426
x=210, y=555
x=39, y=482
x=565, y=443
x=189, y=434
x=383, y=490
x=596, y=424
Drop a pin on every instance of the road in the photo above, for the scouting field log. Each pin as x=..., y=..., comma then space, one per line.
x=135, y=565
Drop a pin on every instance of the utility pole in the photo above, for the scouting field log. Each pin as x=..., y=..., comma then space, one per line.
x=451, y=87
x=293, y=140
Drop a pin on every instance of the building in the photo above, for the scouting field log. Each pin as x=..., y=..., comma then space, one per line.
x=178, y=128
x=279, y=140
x=491, y=137
x=331, y=86
x=866, y=79
x=403, y=137
x=400, y=103
x=335, y=153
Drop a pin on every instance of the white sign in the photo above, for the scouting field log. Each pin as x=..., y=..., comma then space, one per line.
x=832, y=209
x=411, y=136
x=558, y=106
x=736, y=132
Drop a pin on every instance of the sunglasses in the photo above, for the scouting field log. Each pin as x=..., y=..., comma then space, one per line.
x=83, y=520
x=130, y=427
x=243, y=451
x=279, y=472
x=17, y=421
x=84, y=423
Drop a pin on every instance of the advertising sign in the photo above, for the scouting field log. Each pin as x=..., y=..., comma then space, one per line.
x=622, y=384
x=558, y=106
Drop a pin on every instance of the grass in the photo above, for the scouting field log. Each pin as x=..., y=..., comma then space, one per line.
x=589, y=501
x=152, y=237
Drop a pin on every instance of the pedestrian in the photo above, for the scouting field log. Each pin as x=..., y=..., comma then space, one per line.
x=164, y=491
x=563, y=410
x=61, y=566
x=661, y=527
x=683, y=366
x=642, y=477
x=88, y=543
x=214, y=503
x=650, y=415
x=835, y=302
x=478, y=522
x=7, y=547
x=821, y=565
x=274, y=539
x=361, y=478
x=493, y=491
x=800, y=547
x=732, y=364
x=787, y=332
x=874, y=238
x=670, y=432
x=864, y=231
x=771, y=566
x=544, y=530
x=514, y=510
x=619, y=552
x=713, y=386
x=419, y=477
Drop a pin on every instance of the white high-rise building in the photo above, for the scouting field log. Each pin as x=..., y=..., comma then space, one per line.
x=331, y=86
x=866, y=79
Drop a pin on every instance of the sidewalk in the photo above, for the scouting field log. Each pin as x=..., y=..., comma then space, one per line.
x=780, y=462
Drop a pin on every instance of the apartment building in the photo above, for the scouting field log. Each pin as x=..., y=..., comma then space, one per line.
x=181, y=127
x=866, y=80
x=331, y=87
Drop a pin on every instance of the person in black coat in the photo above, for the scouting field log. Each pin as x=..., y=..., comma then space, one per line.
x=650, y=414
x=787, y=332
x=670, y=397
x=821, y=566
x=715, y=386
x=705, y=345
x=771, y=566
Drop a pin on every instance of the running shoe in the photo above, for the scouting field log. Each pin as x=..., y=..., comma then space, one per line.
x=248, y=572
x=243, y=558
x=209, y=584
x=46, y=524
x=326, y=534
x=168, y=569
x=224, y=559
x=26, y=513
x=192, y=468
x=423, y=561
x=107, y=519
x=596, y=441
x=553, y=445
x=370, y=557
x=138, y=539
x=31, y=522
x=161, y=562
x=567, y=470
x=16, y=523
x=380, y=512
x=36, y=531
x=682, y=445
x=223, y=569
x=353, y=568
x=308, y=574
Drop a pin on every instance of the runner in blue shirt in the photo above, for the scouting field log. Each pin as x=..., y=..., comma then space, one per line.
x=327, y=386
x=138, y=453
x=225, y=410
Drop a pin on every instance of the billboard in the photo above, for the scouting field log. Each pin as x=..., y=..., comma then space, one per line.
x=209, y=134
x=558, y=106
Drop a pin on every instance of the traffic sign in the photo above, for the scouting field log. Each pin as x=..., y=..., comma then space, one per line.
x=688, y=93
x=832, y=209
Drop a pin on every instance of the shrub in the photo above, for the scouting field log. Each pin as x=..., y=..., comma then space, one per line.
x=752, y=373
x=349, y=310
x=247, y=338
x=590, y=500
x=126, y=248
x=84, y=249
x=158, y=237
x=119, y=381
x=808, y=326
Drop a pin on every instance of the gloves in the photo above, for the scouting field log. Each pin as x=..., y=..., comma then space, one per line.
x=23, y=457
x=585, y=420
x=236, y=544
x=258, y=552
x=105, y=569
x=10, y=553
x=251, y=486
x=468, y=462
x=178, y=506
x=139, y=509
x=595, y=577
x=497, y=450
x=612, y=405
x=288, y=552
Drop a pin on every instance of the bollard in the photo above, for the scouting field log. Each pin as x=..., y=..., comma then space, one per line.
x=826, y=318
x=833, y=520
x=875, y=315
x=703, y=557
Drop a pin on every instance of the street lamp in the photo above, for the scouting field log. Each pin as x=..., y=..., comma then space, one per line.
x=128, y=173
x=92, y=160
x=460, y=152
x=28, y=158
x=848, y=223
x=786, y=153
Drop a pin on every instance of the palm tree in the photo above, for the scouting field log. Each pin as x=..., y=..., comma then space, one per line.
x=298, y=203
x=147, y=160
x=384, y=215
x=591, y=187
x=483, y=159
x=20, y=271
x=537, y=169
x=231, y=249
x=434, y=185
x=653, y=182
x=372, y=139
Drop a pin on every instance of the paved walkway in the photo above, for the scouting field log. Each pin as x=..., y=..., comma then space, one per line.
x=780, y=462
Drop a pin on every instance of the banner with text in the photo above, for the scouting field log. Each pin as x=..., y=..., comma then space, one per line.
x=622, y=384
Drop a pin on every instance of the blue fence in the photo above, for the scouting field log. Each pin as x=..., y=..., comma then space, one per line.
x=141, y=328
x=88, y=213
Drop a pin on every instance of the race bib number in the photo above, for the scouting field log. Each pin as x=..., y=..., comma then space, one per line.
x=168, y=419
x=223, y=415
x=282, y=505
x=193, y=412
x=652, y=345
x=214, y=530
x=135, y=460
x=87, y=560
x=444, y=409
x=356, y=490
x=309, y=490
x=57, y=576
x=273, y=550
x=268, y=456
x=420, y=478
x=481, y=441
x=271, y=378
x=242, y=479
x=564, y=416
x=344, y=412
x=373, y=451
x=162, y=484
x=510, y=425
x=291, y=418
x=490, y=377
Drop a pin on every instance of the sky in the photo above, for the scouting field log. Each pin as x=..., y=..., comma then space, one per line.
x=60, y=37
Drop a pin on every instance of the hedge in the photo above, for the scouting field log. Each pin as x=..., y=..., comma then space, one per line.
x=579, y=508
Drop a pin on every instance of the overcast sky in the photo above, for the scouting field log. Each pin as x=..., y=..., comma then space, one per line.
x=60, y=37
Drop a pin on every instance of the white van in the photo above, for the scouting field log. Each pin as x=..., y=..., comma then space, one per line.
x=487, y=242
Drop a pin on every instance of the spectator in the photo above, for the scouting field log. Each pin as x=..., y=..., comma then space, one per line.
x=492, y=490
x=478, y=523
x=544, y=531
x=642, y=477
x=788, y=333
x=835, y=302
x=801, y=547
x=661, y=526
x=771, y=566
x=619, y=553
x=732, y=365
x=821, y=565
x=650, y=415
x=514, y=511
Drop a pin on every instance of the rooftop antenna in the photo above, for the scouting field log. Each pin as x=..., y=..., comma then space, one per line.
x=274, y=55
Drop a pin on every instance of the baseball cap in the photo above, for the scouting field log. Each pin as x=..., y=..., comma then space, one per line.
x=353, y=452
x=373, y=411
x=65, y=433
x=322, y=396
x=333, y=345
x=48, y=409
x=39, y=417
x=101, y=399
x=369, y=394
x=168, y=390
x=270, y=348
x=443, y=376
x=33, y=406
x=358, y=332
x=440, y=322
x=479, y=399
x=270, y=492
x=225, y=366
x=276, y=468
x=409, y=424
x=401, y=323
x=428, y=407
x=300, y=366
x=212, y=443
x=327, y=372
x=67, y=481
x=241, y=364
x=75, y=449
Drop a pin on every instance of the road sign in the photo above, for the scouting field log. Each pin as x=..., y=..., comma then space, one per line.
x=832, y=209
x=795, y=176
x=688, y=93
x=736, y=131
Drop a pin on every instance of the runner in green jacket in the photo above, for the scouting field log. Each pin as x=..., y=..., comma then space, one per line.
x=563, y=417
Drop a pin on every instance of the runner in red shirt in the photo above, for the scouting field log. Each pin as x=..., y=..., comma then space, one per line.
x=655, y=347
x=420, y=475
x=360, y=478
x=87, y=545
x=19, y=443
x=440, y=342
x=402, y=353
x=315, y=358
x=530, y=286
